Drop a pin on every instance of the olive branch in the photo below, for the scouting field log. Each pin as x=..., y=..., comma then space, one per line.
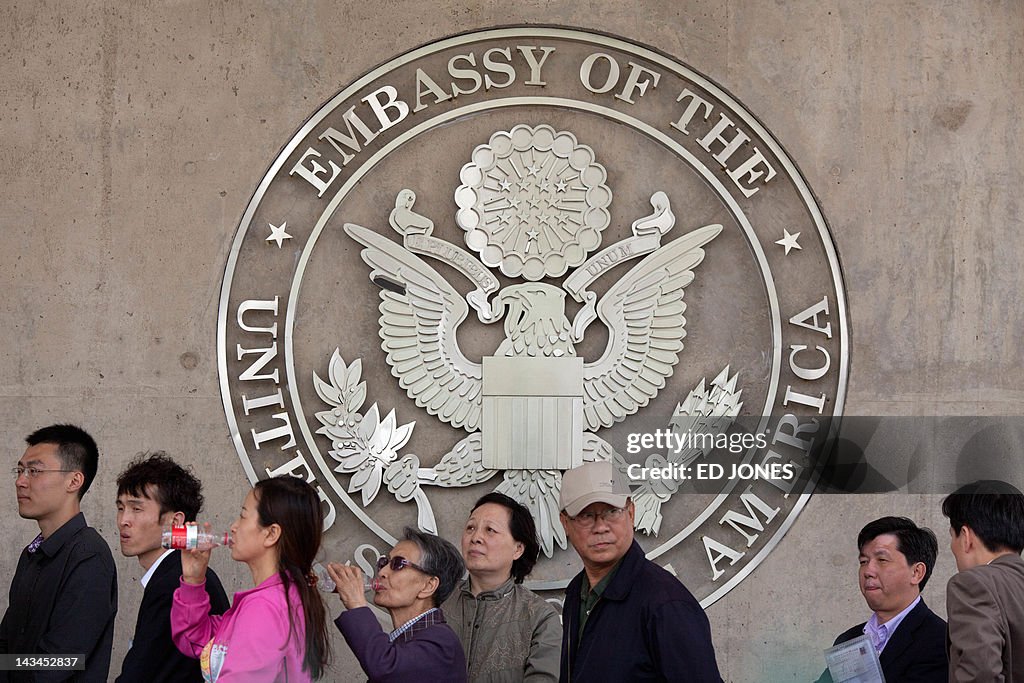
x=364, y=445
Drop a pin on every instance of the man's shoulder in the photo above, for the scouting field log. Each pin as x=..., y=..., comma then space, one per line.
x=658, y=585
x=981, y=578
x=167, y=576
x=87, y=543
x=928, y=618
x=920, y=618
x=1005, y=567
x=998, y=579
x=170, y=571
x=850, y=633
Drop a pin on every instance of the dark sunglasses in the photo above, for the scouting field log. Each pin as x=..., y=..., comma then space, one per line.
x=398, y=563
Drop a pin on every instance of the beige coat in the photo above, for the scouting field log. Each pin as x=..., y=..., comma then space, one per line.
x=509, y=634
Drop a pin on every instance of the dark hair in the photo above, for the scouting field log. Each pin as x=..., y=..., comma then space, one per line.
x=994, y=511
x=75, y=448
x=156, y=476
x=294, y=506
x=523, y=530
x=438, y=558
x=917, y=543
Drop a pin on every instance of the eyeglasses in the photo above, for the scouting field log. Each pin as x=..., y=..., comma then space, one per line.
x=398, y=563
x=32, y=472
x=586, y=520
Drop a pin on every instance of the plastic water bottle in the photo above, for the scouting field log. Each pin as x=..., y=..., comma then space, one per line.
x=192, y=537
x=326, y=584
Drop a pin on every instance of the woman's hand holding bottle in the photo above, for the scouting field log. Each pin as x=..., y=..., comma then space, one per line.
x=351, y=584
x=193, y=560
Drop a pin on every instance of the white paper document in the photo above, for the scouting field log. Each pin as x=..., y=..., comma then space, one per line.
x=854, y=661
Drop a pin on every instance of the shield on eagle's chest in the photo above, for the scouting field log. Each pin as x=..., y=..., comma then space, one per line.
x=532, y=413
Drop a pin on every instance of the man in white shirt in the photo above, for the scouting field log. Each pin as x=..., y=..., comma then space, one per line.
x=153, y=492
x=896, y=560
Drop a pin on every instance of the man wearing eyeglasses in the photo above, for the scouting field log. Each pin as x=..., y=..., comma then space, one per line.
x=64, y=594
x=624, y=618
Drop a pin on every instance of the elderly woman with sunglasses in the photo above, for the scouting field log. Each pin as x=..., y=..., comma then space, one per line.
x=412, y=582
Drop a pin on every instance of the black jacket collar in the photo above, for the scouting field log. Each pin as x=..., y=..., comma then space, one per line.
x=623, y=581
x=52, y=545
x=904, y=635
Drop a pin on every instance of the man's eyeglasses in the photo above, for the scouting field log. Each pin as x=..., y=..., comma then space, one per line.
x=32, y=472
x=398, y=563
x=586, y=520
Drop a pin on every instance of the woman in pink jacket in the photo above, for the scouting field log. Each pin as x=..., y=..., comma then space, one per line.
x=277, y=631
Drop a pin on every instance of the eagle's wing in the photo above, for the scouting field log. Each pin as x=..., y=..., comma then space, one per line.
x=419, y=313
x=644, y=315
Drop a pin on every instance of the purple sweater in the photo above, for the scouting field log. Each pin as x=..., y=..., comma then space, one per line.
x=251, y=643
x=429, y=651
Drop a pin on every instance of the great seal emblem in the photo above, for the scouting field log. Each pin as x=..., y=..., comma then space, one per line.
x=513, y=251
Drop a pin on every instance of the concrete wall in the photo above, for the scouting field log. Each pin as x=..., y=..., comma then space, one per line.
x=133, y=135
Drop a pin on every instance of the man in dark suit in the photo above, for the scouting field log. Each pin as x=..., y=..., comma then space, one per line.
x=896, y=559
x=985, y=600
x=154, y=491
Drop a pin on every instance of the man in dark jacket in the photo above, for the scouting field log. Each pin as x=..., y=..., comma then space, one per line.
x=624, y=618
x=154, y=491
x=896, y=559
x=64, y=593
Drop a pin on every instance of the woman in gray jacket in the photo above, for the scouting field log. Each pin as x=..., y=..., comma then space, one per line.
x=509, y=634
